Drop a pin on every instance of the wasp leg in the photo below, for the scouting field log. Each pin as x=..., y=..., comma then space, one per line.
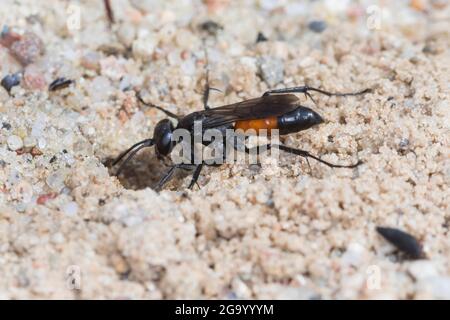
x=109, y=11
x=206, y=92
x=207, y=87
x=305, y=89
x=169, y=174
x=302, y=153
x=166, y=178
x=195, y=176
x=257, y=149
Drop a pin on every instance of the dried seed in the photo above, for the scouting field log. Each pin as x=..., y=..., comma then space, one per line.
x=42, y=199
x=402, y=241
x=211, y=27
x=60, y=83
x=36, y=152
x=14, y=142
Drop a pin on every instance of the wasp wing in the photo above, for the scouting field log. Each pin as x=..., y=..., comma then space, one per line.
x=258, y=108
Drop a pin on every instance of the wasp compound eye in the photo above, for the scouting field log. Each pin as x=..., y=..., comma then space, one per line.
x=163, y=137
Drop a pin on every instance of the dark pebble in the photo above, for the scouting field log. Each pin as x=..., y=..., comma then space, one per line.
x=6, y=125
x=404, y=142
x=317, y=26
x=11, y=80
x=261, y=37
x=211, y=27
x=402, y=241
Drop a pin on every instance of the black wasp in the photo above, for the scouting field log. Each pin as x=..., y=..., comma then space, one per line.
x=275, y=109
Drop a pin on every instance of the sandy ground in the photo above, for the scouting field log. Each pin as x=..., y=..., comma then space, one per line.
x=70, y=229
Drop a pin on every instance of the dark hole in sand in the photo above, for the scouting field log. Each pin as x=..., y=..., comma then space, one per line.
x=144, y=171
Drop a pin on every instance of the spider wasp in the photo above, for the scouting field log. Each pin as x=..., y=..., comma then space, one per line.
x=276, y=109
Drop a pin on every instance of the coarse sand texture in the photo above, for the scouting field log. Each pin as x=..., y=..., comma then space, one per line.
x=70, y=229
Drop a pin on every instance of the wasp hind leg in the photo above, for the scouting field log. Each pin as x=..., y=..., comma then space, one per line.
x=306, y=89
x=195, y=176
x=307, y=155
x=302, y=153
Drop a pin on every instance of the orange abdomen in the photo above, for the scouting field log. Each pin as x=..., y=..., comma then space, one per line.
x=257, y=124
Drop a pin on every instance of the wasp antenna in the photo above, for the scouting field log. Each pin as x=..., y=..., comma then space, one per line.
x=207, y=87
x=109, y=11
x=167, y=112
x=147, y=142
x=132, y=154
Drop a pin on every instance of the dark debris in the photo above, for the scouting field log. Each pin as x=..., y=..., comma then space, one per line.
x=11, y=80
x=403, y=241
x=60, y=83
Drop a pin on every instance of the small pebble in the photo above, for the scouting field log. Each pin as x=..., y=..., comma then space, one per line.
x=125, y=83
x=14, y=142
x=271, y=70
x=261, y=37
x=42, y=143
x=36, y=152
x=91, y=61
x=28, y=49
x=418, y=5
x=56, y=181
x=34, y=78
x=29, y=142
x=144, y=46
x=269, y=4
x=8, y=37
x=70, y=209
x=126, y=34
x=58, y=238
x=21, y=207
x=404, y=142
x=317, y=26
x=422, y=269
x=354, y=255
x=11, y=80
